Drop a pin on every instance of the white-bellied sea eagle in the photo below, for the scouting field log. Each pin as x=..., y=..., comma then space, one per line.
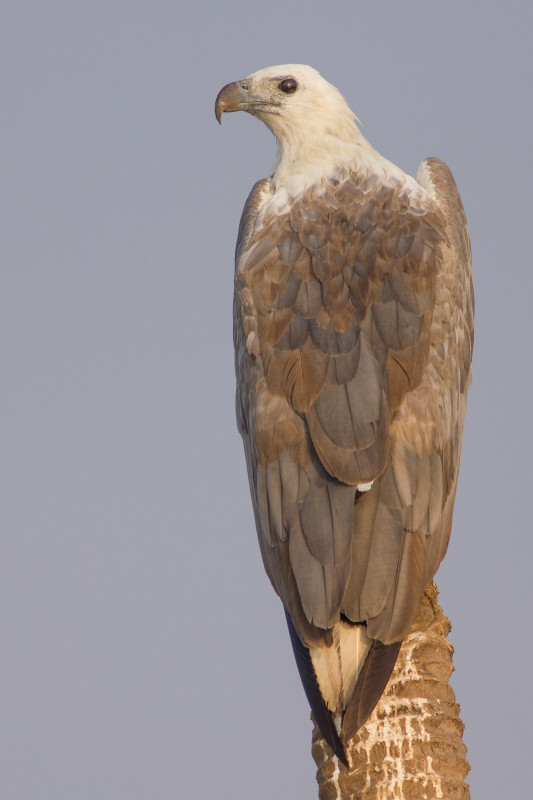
x=353, y=327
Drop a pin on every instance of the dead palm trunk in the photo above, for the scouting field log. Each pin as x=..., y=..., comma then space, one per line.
x=411, y=747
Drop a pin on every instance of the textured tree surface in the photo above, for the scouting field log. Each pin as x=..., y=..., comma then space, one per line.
x=411, y=747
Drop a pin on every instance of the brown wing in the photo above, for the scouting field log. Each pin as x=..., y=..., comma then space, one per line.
x=333, y=325
x=403, y=525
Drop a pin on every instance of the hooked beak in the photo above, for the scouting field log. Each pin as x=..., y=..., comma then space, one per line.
x=232, y=97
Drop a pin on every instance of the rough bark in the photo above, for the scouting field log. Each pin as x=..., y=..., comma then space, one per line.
x=411, y=746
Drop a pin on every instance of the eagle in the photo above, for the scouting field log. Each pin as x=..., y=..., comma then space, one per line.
x=353, y=332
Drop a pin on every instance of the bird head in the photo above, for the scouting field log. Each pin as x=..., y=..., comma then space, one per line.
x=285, y=97
x=315, y=129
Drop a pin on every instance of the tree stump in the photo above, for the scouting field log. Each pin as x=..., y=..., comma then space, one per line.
x=411, y=746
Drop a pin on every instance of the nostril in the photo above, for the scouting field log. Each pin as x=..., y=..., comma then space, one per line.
x=245, y=86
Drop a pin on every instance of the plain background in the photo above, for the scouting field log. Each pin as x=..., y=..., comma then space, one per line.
x=143, y=653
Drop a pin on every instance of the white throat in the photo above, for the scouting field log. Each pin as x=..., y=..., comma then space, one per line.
x=309, y=158
x=312, y=159
x=313, y=147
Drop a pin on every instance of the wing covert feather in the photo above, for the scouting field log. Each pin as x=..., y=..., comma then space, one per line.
x=339, y=349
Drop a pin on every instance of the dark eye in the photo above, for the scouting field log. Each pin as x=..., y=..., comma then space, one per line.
x=288, y=85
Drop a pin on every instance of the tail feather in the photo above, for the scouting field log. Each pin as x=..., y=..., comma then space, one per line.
x=343, y=682
x=323, y=716
x=370, y=685
x=337, y=667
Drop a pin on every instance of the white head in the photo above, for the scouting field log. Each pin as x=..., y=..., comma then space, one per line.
x=309, y=117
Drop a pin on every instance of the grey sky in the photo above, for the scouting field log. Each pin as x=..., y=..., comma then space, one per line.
x=144, y=653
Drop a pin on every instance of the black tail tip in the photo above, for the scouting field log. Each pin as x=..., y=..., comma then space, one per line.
x=329, y=734
x=340, y=752
x=321, y=714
